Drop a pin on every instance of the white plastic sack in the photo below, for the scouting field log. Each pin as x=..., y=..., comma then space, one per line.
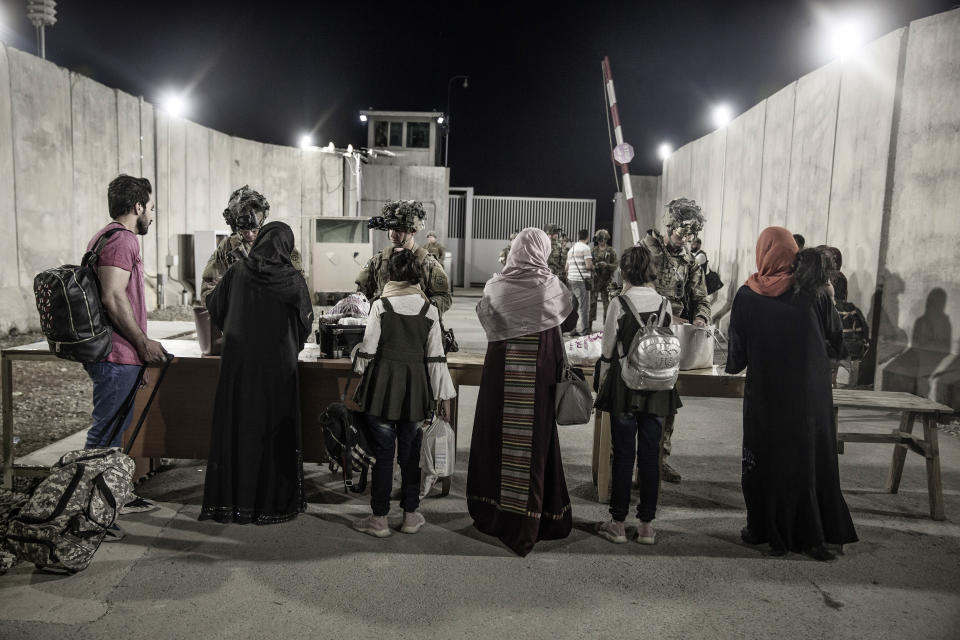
x=438, y=450
x=696, y=346
x=585, y=348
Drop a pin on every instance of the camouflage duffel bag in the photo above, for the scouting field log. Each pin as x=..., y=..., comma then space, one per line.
x=63, y=523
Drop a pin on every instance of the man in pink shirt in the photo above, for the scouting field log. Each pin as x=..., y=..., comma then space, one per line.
x=120, y=269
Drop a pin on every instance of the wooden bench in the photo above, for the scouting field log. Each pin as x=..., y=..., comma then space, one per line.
x=911, y=408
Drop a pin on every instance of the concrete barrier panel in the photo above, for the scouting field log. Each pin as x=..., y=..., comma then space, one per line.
x=646, y=197
x=130, y=153
x=777, y=145
x=415, y=182
x=9, y=259
x=220, y=185
x=282, y=184
x=922, y=273
x=741, y=205
x=811, y=153
x=43, y=163
x=247, y=164
x=149, y=171
x=312, y=188
x=174, y=146
x=708, y=168
x=864, y=121
x=197, y=176
x=95, y=157
x=678, y=181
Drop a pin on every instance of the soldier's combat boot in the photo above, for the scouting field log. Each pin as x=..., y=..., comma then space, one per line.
x=669, y=474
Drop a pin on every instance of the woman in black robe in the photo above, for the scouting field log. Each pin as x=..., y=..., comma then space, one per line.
x=516, y=489
x=780, y=325
x=255, y=468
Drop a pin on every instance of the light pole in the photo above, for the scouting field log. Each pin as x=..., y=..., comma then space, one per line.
x=42, y=14
x=446, y=146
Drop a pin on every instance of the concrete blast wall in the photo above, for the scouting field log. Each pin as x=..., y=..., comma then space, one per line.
x=64, y=137
x=864, y=155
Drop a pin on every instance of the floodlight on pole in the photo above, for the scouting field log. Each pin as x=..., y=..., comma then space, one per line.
x=440, y=120
x=363, y=117
x=664, y=150
x=845, y=38
x=174, y=104
x=42, y=14
x=306, y=141
x=722, y=115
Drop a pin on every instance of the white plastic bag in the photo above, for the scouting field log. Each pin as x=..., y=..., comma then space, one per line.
x=585, y=349
x=438, y=450
x=696, y=346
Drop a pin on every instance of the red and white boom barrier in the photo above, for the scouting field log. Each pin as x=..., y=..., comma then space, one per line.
x=627, y=154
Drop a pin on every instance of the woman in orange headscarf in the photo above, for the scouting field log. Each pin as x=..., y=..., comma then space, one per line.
x=781, y=322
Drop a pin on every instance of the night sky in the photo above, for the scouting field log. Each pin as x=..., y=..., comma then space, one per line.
x=532, y=121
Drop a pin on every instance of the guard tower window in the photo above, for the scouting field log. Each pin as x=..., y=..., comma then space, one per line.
x=418, y=135
x=396, y=134
x=380, y=133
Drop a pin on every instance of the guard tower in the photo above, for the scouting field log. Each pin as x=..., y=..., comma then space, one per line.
x=412, y=136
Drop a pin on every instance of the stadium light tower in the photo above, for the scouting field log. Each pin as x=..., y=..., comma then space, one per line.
x=42, y=14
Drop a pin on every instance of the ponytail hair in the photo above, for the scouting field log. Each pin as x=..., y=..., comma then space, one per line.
x=811, y=273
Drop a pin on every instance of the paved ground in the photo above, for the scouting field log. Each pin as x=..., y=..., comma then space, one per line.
x=174, y=577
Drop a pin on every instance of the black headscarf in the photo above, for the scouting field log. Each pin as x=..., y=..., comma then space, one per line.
x=269, y=264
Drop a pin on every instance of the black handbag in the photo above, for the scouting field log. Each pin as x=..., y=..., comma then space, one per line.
x=449, y=340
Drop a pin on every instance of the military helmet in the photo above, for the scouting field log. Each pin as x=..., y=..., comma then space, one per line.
x=247, y=209
x=550, y=229
x=602, y=234
x=409, y=214
x=685, y=213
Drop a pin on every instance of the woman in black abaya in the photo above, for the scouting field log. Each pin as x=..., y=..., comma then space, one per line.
x=780, y=325
x=255, y=467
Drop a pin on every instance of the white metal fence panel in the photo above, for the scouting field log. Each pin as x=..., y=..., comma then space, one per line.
x=495, y=217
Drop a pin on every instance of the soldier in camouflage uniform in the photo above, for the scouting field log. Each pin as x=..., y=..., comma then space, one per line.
x=403, y=219
x=434, y=248
x=245, y=213
x=604, y=266
x=506, y=250
x=557, y=261
x=680, y=280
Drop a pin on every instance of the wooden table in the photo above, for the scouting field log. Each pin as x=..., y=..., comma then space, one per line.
x=712, y=382
x=178, y=423
x=911, y=408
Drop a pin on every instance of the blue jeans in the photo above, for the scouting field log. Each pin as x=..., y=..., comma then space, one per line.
x=382, y=436
x=635, y=435
x=111, y=385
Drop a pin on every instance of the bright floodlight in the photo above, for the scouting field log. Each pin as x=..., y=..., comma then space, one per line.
x=722, y=115
x=845, y=38
x=664, y=150
x=306, y=141
x=349, y=148
x=440, y=120
x=330, y=147
x=175, y=105
x=363, y=117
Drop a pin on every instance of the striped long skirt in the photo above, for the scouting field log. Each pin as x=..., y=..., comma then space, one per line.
x=515, y=485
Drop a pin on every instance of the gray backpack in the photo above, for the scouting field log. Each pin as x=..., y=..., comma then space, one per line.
x=652, y=361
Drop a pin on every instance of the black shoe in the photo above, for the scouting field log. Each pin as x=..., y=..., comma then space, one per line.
x=669, y=474
x=821, y=553
x=748, y=536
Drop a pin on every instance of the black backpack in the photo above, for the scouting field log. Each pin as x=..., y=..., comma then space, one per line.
x=72, y=316
x=346, y=445
x=856, y=332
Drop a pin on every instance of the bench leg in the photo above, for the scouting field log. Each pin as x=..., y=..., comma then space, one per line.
x=899, y=453
x=595, y=460
x=604, y=467
x=934, y=482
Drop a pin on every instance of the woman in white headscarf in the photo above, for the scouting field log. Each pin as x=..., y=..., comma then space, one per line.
x=515, y=485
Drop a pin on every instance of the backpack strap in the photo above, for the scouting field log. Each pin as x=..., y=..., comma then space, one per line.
x=386, y=305
x=661, y=322
x=94, y=253
x=425, y=308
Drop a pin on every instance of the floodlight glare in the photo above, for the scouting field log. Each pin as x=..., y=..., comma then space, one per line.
x=363, y=117
x=722, y=115
x=664, y=150
x=845, y=38
x=440, y=120
x=349, y=148
x=330, y=147
x=174, y=104
x=306, y=141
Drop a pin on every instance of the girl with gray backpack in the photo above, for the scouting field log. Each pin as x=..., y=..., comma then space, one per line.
x=638, y=373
